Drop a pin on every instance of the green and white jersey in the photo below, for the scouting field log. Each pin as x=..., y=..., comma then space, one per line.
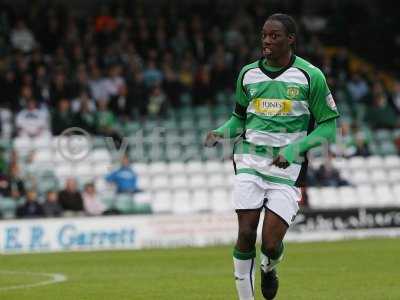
x=280, y=107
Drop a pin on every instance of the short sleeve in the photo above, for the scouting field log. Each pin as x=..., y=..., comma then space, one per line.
x=322, y=104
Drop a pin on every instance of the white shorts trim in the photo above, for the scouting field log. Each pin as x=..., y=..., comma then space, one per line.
x=251, y=192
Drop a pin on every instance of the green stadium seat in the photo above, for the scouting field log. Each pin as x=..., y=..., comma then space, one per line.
x=189, y=137
x=172, y=137
x=184, y=111
x=5, y=144
x=222, y=110
x=396, y=133
x=211, y=154
x=191, y=152
x=150, y=125
x=222, y=98
x=141, y=208
x=138, y=153
x=388, y=148
x=108, y=201
x=383, y=135
x=99, y=142
x=131, y=127
x=124, y=203
x=45, y=185
x=186, y=99
x=187, y=123
x=170, y=124
x=206, y=124
x=202, y=112
x=156, y=154
x=374, y=147
x=173, y=152
x=8, y=207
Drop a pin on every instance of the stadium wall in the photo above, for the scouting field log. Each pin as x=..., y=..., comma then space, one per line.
x=140, y=232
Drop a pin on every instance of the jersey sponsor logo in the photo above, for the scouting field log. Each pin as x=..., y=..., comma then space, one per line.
x=273, y=107
x=292, y=91
x=330, y=101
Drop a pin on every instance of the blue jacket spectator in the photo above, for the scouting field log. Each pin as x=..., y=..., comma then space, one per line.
x=31, y=208
x=125, y=179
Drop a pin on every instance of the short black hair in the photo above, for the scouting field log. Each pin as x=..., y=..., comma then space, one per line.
x=288, y=22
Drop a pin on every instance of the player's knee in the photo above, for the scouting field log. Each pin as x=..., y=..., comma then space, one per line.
x=247, y=235
x=271, y=246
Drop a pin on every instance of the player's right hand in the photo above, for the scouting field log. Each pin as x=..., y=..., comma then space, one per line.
x=212, y=139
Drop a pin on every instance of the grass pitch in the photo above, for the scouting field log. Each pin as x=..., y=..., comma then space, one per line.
x=359, y=269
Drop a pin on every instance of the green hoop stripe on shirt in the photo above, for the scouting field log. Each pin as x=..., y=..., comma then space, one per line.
x=266, y=177
x=277, y=123
x=249, y=148
x=279, y=89
x=244, y=147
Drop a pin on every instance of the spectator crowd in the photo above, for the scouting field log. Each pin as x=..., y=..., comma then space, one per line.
x=61, y=68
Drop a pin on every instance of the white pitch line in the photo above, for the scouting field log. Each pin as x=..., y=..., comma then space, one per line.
x=53, y=279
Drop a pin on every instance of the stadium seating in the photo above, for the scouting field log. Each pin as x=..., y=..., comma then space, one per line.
x=179, y=175
x=200, y=185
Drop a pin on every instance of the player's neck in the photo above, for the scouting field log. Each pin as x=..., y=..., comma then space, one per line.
x=280, y=62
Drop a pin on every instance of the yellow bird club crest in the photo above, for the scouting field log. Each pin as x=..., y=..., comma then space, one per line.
x=293, y=91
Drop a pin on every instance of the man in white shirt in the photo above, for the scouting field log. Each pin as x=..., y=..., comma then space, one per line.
x=32, y=121
x=22, y=38
x=91, y=203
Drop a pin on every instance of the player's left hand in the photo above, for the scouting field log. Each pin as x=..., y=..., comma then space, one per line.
x=280, y=162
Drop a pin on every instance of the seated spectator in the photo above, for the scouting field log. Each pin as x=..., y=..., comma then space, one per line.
x=116, y=89
x=60, y=88
x=91, y=203
x=51, y=207
x=31, y=208
x=327, y=175
x=85, y=118
x=97, y=84
x=358, y=88
x=157, y=101
x=125, y=179
x=396, y=96
x=32, y=122
x=397, y=144
x=362, y=146
x=380, y=114
x=202, y=88
x=22, y=37
x=83, y=100
x=70, y=198
x=29, y=171
x=9, y=90
x=172, y=86
x=61, y=117
x=106, y=122
x=152, y=76
x=3, y=161
x=11, y=185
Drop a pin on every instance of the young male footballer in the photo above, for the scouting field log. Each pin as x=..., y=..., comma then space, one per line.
x=283, y=108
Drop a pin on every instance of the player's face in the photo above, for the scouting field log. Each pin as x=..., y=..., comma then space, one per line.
x=275, y=42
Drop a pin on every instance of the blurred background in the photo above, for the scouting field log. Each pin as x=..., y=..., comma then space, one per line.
x=147, y=79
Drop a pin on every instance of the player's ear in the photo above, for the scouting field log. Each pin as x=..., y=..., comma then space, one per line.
x=292, y=39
